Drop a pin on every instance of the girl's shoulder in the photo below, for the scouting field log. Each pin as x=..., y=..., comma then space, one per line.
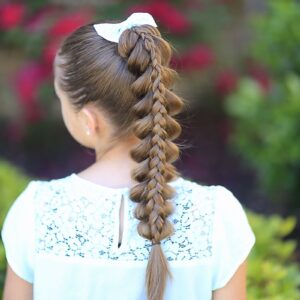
x=187, y=192
x=194, y=200
x=231, y=237
x=214, y=206
x=220, y=197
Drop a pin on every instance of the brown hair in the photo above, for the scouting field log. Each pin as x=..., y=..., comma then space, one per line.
x=131, y=81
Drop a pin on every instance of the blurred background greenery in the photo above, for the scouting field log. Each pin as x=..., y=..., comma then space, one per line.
x=239, y=66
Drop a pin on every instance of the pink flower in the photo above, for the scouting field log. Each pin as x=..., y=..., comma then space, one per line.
x=11, y=15
x=226, y=82
x=69, y=23
x=27, y=82
x=198, y=57
x=168, y=16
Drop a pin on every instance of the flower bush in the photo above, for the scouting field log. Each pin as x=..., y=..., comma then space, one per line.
x=36, y=29
x=39, y=27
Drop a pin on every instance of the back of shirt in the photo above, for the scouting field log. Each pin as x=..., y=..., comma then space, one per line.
x=62, y=235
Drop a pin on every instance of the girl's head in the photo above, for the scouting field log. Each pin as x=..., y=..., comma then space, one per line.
x=111, y=92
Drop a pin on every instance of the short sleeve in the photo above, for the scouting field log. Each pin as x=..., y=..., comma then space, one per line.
x=233, y=237
x=17, y=234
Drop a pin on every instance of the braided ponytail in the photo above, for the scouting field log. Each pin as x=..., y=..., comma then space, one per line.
x=148, y=57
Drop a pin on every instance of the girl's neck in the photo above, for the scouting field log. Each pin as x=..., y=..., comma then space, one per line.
x=112, y=168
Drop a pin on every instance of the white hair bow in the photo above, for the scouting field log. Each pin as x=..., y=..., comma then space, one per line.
x=112, y=32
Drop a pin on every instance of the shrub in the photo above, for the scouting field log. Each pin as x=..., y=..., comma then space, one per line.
x=273, y=273
x=266, y=134
x=12, y=183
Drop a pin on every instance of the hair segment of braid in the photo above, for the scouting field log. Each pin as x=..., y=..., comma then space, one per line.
x=148, y=56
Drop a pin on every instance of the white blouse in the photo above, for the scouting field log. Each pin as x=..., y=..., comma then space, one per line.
x=62, y=236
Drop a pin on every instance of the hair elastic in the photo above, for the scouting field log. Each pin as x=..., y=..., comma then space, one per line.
x=157, y=243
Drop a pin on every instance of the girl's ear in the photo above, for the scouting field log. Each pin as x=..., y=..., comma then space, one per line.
x=90, y=120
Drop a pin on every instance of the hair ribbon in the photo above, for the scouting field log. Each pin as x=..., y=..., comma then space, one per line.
x=113, y=31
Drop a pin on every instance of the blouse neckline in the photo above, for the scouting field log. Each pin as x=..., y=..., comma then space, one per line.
x=107, y=188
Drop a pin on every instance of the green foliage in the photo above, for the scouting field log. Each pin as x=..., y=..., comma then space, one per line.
x=12, y=183
x=272, y=272
x=266, y=124
x=267, y=132
x=278, y=36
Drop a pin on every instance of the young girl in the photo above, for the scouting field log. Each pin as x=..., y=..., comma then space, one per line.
x=128, y=227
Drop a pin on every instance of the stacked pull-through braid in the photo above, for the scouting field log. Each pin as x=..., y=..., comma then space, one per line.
x=148, y=57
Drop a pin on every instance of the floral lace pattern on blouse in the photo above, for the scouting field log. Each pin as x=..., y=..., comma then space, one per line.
x=77, y=218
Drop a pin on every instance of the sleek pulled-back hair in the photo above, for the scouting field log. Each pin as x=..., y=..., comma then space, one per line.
x=131, y=82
